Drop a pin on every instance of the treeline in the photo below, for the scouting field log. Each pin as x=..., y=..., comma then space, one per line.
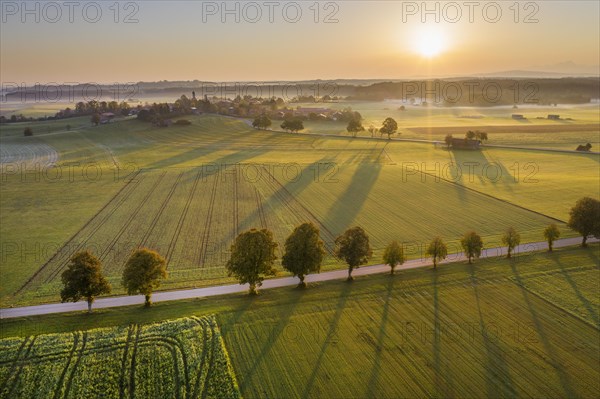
x=484, y=91
x=253, y=256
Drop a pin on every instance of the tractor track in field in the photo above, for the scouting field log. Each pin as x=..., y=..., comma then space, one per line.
x=123, y=198
x=18, y=366
x=79, y=355
x=211, y=362
x=236, y=215
x=54, y=256
x=59, y=384
x=164, y=204
x=207, y=224
x=132, y=367
x=182, y=217
x=131, y=217
x=288, y=199
x=194, y=393
x=261, y=210
x=122, y=372
x=15, y=369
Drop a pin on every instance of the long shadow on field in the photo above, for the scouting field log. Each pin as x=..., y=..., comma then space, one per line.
x=497, y=373
x=564, y=379
x=349, y=203
x=372, y=385
x=197, y=152
x=442, y=385
x=586, y=303
x=471, y=163
x=271, y=339
x=283, y=191
x=330, y=338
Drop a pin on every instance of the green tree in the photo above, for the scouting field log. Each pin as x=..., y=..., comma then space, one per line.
x=585, y=218
x=437, y=250
x=252, y=257
x=261, y=122
x=143, y=273
x=373, y=130
x=470, y=135
x=551, y=234
x=448, y=140
x=472, y=245
x=28, y=132
x=354, y=126
x=303, y=252
x=354, y=248
x=389, y=127
x=96, y=119
x=394, y=255
x=83, y=278
x=511, y=239
x=481, y=136
x=293, y=125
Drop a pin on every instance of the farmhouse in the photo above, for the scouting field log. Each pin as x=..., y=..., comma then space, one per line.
x=518, y=116
x=465, y=144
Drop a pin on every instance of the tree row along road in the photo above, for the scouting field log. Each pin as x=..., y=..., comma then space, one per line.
x=272, y=283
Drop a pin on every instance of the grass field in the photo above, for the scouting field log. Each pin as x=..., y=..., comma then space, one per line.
x=184, y=358
x=189, y=191
x=526, y=327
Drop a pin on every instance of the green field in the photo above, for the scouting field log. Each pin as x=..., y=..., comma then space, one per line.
x=188, y=191
x=185, y=358
x=526, y=327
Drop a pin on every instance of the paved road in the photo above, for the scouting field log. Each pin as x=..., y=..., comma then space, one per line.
x=271, y=283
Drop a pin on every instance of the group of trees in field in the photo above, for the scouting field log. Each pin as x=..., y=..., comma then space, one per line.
x=469, y=135
x=389, y=127
x=253, y=256
x=84, y=279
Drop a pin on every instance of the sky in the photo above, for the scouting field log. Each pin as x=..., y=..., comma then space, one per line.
x=108, y=42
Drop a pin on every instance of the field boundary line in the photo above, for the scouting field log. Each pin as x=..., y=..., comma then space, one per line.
x=182, y=217
x=208, y=223
x=132, y=216
x=120, y=202
x=491, y=196
x=160, y=211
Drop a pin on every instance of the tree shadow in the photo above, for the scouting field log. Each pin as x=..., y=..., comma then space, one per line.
x=372, y=385
x=270, y=339
x=497, y=371
x=586, y=303
x=349, y=203
x=556, y=365
x=330, y=338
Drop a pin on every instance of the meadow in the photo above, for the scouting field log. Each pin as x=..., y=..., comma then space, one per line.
x=524, y=327
x=188, y=191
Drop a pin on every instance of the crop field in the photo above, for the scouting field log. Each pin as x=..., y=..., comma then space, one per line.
x=526, y=327
x=188, y=191
x=184, y=358
x=468, y=332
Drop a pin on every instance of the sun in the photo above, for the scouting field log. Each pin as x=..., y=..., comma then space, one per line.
x=430, y=41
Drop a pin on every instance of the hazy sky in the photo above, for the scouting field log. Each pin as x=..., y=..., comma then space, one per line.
x=187, y=40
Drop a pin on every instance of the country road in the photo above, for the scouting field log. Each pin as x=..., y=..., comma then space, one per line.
x=270, y=283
